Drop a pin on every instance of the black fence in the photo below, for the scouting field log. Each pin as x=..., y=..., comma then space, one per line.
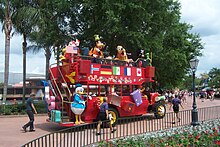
x=85, y=135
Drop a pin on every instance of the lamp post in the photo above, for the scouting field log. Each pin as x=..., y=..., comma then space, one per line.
x=193, y=64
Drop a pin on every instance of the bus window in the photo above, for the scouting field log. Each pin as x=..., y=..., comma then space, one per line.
x=102, y=90
x=93, y=90
x=134, y=87
x=125, y=90
x=117, y=89
x=105, y=90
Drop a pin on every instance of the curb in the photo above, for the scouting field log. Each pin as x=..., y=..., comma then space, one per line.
x=25, y=115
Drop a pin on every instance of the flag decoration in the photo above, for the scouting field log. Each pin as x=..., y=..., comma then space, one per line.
x=94, y=69
x=139, y=73
x=116, y=70
x=127, y=71
x=72, y=49
x=75, y=50
x=136, y=95
x=106, y=70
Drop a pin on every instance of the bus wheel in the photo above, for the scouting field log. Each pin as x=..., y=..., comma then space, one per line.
x=113, y=115
x=159, y=110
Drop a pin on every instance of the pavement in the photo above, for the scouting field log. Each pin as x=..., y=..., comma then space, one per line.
x=12, y=135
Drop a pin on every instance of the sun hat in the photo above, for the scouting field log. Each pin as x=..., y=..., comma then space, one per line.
x=32, y=94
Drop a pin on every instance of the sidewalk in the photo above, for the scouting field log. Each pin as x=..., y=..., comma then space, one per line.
x=11, y=134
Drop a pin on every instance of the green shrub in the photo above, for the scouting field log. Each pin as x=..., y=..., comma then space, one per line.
x=16, y=109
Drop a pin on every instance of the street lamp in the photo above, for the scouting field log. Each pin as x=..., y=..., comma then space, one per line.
x=193, y=64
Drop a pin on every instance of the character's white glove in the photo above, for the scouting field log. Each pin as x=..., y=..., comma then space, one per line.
x=110, y=117
x=83, y=102
x=90, y=98
x=95, y=55
x=98, y=50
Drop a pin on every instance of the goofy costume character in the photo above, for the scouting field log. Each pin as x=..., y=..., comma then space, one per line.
x=78, y=105
x=97, y=50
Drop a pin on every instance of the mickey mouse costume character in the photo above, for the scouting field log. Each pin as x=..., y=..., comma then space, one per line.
x=78, y=105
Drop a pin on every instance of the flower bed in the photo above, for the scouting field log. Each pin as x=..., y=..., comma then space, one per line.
x=204, y=135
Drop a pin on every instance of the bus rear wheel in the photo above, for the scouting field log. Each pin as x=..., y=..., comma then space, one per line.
x=113, y=115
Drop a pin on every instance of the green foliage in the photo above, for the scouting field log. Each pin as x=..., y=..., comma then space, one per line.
x=185, y=139
x=12, y=109
x=41, y=107
x=1, y=85
x=150, y=25
x=214, y=78
x=16, y=109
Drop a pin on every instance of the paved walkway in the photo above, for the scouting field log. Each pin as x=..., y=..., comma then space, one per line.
x=12, y=135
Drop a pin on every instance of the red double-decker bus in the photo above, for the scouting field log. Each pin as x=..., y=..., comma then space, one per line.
x=119, y=81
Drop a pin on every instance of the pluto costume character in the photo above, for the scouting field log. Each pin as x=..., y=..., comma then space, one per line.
x=122, y=55
x=78, y=105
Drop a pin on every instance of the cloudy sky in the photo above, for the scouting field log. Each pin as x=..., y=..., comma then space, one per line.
x=202, y=14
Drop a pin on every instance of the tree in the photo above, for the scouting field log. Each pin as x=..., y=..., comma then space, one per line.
x=6, y=11
x=49, y=23
x=22, y=26
x=150, y=25
x=214, y=78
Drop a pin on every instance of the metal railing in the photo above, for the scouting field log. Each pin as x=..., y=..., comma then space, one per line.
x=85, y=135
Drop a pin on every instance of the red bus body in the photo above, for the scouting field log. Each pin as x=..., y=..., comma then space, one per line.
x=100, y=76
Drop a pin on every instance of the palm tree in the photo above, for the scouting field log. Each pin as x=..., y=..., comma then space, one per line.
x=23, y=25
x=6, y=11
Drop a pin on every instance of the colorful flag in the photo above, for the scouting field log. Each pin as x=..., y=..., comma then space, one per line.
x=94, y=69
x=106, y=70
x=139, y=73
x=72, y=49
x=116, y=70
x=127, y=71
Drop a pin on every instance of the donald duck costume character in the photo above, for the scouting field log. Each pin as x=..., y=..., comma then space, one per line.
x=78, y=105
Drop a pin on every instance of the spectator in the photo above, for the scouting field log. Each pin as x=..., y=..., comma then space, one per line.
x=176, y=102
x=29, y=109
x=103, y=115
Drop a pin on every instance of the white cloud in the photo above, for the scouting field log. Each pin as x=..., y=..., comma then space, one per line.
x=204, y=16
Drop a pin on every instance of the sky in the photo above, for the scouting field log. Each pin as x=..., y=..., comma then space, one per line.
x=202, y=14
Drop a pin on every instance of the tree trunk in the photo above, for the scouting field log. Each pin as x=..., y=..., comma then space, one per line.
x=6, y=73
x=48, y=56
x=24, y=47
x=7, y=30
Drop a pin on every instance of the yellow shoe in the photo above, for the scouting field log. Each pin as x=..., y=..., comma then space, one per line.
x=82, y=122
x=77, y=123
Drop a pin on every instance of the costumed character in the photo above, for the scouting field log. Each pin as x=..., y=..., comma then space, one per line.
x=97, y=50
x=74, y=47
x=64, y=57
x=68, y=57
x=148, y=58
x=69, y=50
x=78, y=105
x=122, y=55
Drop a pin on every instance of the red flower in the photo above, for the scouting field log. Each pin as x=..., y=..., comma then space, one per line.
x=217, y=142
x=214, y=129
x=198, y=136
